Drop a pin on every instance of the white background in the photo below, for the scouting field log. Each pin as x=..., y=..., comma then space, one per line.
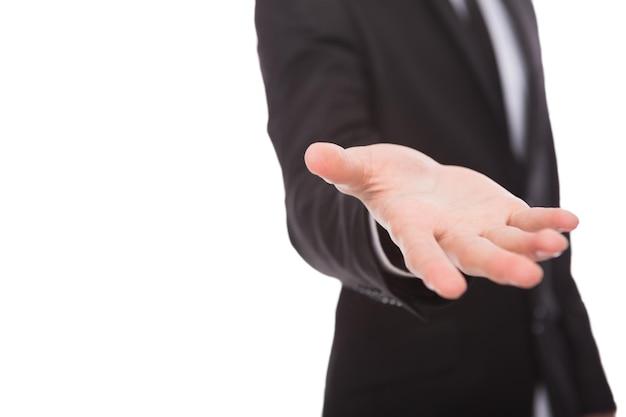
x=145, y=268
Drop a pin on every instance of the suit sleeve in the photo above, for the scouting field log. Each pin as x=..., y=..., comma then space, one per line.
x=316, y=86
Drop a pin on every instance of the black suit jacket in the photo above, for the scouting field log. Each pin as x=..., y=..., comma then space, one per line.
x=357, y=72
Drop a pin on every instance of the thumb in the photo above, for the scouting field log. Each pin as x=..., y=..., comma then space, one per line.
x=333, y=164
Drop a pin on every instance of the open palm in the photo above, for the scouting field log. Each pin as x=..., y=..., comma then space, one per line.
x=446, y=219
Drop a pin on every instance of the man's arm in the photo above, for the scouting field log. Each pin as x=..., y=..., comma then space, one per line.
x=317, y=90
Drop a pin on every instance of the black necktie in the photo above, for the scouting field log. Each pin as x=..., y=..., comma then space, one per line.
x=479, y=34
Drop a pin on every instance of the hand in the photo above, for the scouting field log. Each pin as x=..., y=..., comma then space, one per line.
x=446, y=218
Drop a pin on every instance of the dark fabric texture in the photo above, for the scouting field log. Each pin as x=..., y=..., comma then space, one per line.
x=358, y=72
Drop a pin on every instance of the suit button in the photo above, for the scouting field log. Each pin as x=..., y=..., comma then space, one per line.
x=537, y=328
x=540, y=312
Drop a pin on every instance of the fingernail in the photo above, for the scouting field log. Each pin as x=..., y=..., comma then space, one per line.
x=545, y=255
